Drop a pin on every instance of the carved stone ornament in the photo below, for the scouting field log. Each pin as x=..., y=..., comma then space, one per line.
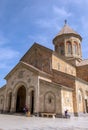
x=21, y=74
x=29, y=80
x=12, y=82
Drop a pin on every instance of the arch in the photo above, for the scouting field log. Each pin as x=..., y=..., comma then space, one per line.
x=56, y=48
x=31, y=88
x=49, y=102
x=17, y=86
x=9, y=91
x=69, y=47
x=80, y=101
x=15, y=92
x=79, y=49
x=61, y=49
x=1, y=103
x=86, y=101
x=75, y=48
x=21, y=99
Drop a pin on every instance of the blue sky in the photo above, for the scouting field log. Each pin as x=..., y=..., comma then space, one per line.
x=23, y=22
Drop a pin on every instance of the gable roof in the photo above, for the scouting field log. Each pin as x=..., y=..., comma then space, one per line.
x=36, y=45
x=28, y=66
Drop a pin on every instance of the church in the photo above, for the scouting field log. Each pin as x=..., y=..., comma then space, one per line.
x=49, y=81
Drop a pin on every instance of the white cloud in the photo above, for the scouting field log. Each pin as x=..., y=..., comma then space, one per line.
x=44, y=23
x=3, y=40
x=48, y=24
x=53, y=21
x=7, y=58
x=3, y=66
x=7, y=54
x=61, y=12
x=38, y=38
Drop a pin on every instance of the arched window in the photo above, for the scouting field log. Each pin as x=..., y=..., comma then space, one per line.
x=79, y=96
x=49, y=102
x=61, y=49
x=69, y=47
x=75, y=51
x=79, y=49
x=56, y=48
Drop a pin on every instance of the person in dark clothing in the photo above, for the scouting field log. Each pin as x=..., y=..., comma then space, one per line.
x=66, y=114
x=25, y=109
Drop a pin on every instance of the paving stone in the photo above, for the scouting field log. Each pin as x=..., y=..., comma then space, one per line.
x=12, y=122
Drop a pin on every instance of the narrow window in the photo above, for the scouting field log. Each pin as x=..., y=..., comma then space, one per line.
x=61, y=49
x=75, y=48
x=69, y=47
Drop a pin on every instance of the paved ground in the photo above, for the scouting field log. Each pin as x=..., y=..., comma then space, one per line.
x=11, y=122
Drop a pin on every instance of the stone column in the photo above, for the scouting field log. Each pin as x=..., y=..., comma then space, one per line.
x=13, y=103
x=28, y=102
x=6, y=104
x=59, y=102
x=27, y=99
x=75, y=103
x=36, y=97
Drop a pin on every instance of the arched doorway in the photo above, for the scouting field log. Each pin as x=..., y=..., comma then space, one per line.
x=21, y=99
x=32, y=102
x=86, y=101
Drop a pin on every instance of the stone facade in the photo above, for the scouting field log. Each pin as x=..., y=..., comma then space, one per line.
x=49, y=81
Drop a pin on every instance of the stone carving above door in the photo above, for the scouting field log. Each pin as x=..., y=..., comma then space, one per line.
x=21, y=74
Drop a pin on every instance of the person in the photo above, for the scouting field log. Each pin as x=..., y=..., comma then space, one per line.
x=25, y=109
x=66, y=114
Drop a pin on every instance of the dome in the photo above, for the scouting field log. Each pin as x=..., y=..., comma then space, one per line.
x=66, y=30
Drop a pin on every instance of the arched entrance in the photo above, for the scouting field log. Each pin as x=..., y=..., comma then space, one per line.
x=32, y=102
x=21, y=99
x=86, y=101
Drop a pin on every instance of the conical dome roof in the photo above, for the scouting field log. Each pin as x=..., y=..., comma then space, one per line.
x=66, y=30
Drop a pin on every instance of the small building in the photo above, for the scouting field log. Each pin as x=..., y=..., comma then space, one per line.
x=49, y=81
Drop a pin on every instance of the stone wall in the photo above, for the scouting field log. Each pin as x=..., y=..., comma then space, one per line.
x=50, y=97
x=2, y=97
x=63, y=79
x=61, y=65
x=67, y=100
x=82, y=72
x=39, y=57
x=81, y=95
x=21, y=77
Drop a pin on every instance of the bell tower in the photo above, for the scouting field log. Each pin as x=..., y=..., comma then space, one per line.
x=67, y=43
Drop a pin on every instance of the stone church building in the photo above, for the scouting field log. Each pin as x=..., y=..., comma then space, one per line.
x=49, y=81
